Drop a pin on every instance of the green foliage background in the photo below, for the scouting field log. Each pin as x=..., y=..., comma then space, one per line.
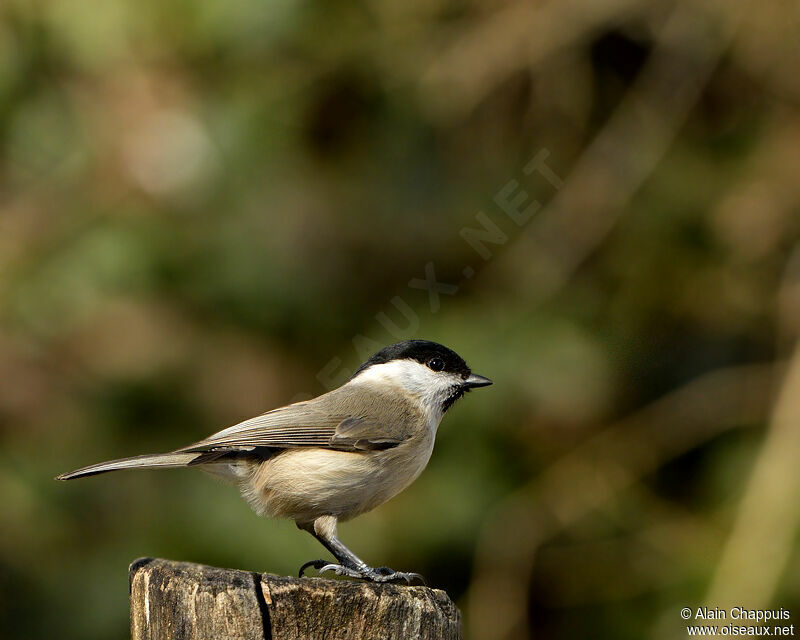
x=203, y=203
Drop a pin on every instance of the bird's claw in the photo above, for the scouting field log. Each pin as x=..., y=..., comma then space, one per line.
x=380, y=574
x=390, y=575
x=341, y=570
x=317, y=564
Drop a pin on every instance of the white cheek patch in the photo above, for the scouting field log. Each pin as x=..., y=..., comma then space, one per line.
x=432, y=388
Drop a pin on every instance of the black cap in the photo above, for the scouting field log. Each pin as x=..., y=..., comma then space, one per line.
x=423, y=351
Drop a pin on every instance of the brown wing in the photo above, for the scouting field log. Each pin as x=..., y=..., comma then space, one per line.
x=335, y=420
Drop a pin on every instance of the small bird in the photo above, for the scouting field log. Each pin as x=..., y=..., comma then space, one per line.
x=331, y=458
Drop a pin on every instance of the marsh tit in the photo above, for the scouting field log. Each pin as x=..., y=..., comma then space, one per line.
x=338, y=455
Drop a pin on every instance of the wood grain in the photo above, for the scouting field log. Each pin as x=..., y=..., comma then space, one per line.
x=184, y=601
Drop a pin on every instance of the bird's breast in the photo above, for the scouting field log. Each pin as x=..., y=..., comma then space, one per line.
x=305, y=483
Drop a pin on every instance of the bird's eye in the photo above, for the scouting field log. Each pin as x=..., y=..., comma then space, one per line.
x=437, y=364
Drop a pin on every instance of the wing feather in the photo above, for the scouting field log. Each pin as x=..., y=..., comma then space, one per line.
x=329, y=421
x=296, y=425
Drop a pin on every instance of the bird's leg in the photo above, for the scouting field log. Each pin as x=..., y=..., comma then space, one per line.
x=350, y=565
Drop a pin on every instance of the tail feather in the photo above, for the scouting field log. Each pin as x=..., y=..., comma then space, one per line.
x=151, y=461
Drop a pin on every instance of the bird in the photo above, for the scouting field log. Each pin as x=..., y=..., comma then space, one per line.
x=326, y=460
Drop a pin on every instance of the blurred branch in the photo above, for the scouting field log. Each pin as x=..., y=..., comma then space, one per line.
x=593, y=475
x=517, y=37
x=759, y=546
x=654, y=541
x=628, y=148
x=581, y=215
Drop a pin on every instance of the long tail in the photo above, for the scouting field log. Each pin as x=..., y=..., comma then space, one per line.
x=151, y=461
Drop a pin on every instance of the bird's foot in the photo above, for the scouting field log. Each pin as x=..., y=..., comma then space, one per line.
x=317, y=564
x=379, y=574
x=385, y=574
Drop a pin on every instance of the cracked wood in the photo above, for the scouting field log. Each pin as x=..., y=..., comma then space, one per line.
x=184, y=601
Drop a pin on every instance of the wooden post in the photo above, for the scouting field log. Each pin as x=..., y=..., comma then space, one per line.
x=180, y=600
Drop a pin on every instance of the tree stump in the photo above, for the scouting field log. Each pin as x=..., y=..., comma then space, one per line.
x=180, y=600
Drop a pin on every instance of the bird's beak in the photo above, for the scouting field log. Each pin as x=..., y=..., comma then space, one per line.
x=475, y=380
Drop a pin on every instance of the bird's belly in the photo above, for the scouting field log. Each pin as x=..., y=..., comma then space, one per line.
x=303, y=484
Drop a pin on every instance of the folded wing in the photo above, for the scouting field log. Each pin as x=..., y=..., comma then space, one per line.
x=368, y=422
x=329, y=421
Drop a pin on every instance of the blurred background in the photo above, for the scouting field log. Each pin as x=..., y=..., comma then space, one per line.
x=209, y=209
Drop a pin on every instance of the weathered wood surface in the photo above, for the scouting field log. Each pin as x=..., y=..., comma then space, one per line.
x=184, y=601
